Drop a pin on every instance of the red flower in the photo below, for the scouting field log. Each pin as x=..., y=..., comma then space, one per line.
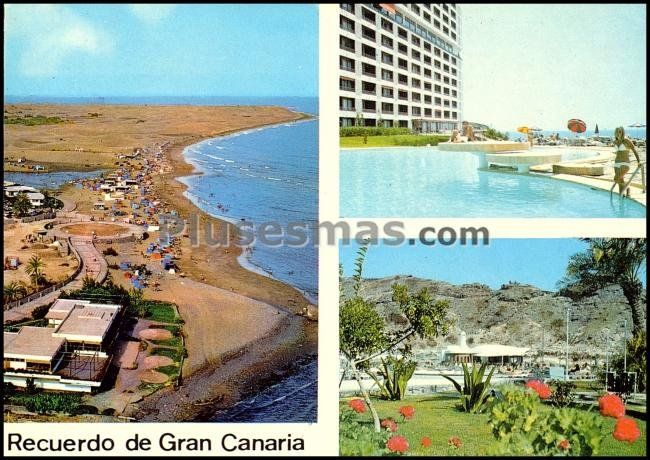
x=564, y=444
x=539, y=387
x=626, y=430
x=357, y=405
x=397, y=444
x=407, y=411
x=390, y=424
x=454, y=442
x=611, y=405
x=426, y=442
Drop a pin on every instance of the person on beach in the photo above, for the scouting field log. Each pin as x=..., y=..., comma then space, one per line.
x=622, y=146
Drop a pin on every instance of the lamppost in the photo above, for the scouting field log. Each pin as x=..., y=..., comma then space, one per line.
x=624, y=346
x=566, y=368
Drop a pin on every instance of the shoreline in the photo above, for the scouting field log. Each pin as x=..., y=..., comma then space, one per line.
x=293, y=341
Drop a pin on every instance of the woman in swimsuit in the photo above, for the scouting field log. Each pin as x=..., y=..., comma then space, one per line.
x=622, y=161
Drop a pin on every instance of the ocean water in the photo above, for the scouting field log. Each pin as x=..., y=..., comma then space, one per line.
x=291, y=401
x=427, y=182
x=265, y=176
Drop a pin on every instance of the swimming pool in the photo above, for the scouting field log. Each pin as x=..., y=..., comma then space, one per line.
x=426, y=182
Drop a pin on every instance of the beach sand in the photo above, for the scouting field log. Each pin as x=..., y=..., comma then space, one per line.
x=243, y=330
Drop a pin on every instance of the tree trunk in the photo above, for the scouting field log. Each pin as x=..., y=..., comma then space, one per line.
x=632, y=292
x=366, y=397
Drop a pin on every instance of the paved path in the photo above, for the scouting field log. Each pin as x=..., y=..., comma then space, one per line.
x=93, y=265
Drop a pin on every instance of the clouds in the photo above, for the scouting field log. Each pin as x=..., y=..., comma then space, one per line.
x=50, y=34
x=151, y=14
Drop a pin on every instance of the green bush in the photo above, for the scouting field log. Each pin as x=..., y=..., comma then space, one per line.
x=358, y=438
x=492, y=133
x=522, y=426
x=371, y=131
x=396, y=373
x=562, y=395
x=42, y=403
x=419, y=140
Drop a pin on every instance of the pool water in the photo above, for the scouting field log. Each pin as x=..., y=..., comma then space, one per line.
x=427, y=182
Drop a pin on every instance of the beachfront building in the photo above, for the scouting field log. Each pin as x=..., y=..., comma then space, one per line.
x=72, y=353
x=400, y=65
x=491, y=353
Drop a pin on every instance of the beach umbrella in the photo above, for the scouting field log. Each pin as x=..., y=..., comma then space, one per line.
x=577, y=126
x=596, y=130
x=523, y=129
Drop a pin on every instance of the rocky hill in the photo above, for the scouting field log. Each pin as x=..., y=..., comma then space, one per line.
x=516, y=314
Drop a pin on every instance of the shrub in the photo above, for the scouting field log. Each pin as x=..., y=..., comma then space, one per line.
x=43, y=403
x=562, y=395
x=109, y=251
x=371, y=131
x=395, y=375
x=492, y=133
x=360, y=439
x=524, y=427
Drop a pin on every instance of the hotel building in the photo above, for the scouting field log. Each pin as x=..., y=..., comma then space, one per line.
x=400, y=65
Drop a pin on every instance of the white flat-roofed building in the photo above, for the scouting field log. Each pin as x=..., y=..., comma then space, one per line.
x=72, y=354
x=400, y=65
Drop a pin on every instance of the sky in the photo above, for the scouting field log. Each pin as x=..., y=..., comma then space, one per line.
x=541, y=262
x=544, y=64
x=80, y=50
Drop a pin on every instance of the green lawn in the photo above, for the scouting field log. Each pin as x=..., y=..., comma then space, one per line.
x=391, y=141
x=437, y=418
x=163, y=312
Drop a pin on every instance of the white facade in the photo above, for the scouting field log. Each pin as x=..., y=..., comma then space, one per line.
x=400, y=65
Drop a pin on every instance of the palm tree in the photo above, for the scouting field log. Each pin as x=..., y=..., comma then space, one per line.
x=21, y=205
x=34, y=269
x=609, y=261
x=14, y=291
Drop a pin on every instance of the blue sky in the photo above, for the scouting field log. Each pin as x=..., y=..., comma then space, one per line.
x=161, y=50
x=544, y=64
x=540, y=262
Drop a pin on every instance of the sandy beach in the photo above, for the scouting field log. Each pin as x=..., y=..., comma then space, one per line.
x=243, y=330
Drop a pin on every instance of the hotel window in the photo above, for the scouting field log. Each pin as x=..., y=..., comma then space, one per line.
x=438, y=114
x=437, y=88
x=453, y=60
x=445, y=30
x=445, y=103
x=453, y=14
x=445, y=19
x=415, y=40
x=386, y=92
x=427, y=86
x=454, y=82
x=415, y=8
x=346, y=23
x=436, y=52
x=347, y=44
x=368, y=88
x=386, y=41
x=415, y=55
x=402, y=79
x=454, y=104
x=453, y=25
x=427, y=59
x=445, y=57
x=403, y=95
x=427, y=112
x=453, y=71
x=346, y=63
x=453, y=35
x=415, y=97
x=436, y=23
x=368, y=15
x=402, y=33
x=445, y=91
x=346, y=103
x=454, y=115
x=368, y=51
x=446, y=112
x=445, y=7
x=402, y=49
x=369, y=70
x=346, y=84
x=427, y=99
x=416, y=83
x=427, y=17
x=403, y=109
x=446, y=68
x=346, y=121
x=415, y=111
x=368, y=33
x=438, y=76
x=436, y=11
x=386, y=107
x=454, y=93
x=427, y=46
x=427, y=72
x=402, y=63
x=436, y=64
x=386, y=58
x=386, y=25
x=369, y=106
x=415, y=68
x=446, y=80
x=348, y=7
